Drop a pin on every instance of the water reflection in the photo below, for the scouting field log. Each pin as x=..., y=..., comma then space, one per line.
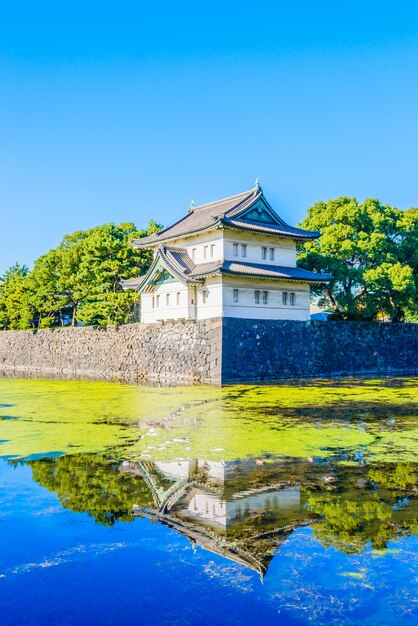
x=243, y=509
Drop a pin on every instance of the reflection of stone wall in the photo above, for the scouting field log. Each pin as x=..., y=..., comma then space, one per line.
x=191, y=351
x=180, y=351
x=268, y=350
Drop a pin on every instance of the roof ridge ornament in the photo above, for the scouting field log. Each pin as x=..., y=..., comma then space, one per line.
x=257, y=185
x=191, y=206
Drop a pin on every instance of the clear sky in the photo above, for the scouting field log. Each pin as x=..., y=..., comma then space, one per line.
x=125, y=111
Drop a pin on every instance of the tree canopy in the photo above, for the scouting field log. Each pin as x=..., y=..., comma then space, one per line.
x=371, y=251
x=94, y=484
x=77, y=282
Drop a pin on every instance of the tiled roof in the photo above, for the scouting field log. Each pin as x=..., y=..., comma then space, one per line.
x=181, y=265
x=206, y=269
x=273, y=271
x=296, y=233
x=224, y=213
x=132, y=283
x=180, y=258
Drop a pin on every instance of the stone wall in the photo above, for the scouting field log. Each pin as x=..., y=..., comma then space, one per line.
x=269, y=350
x=213, y=351
x=177, y=352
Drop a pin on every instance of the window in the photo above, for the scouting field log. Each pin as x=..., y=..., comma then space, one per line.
x=284, y=298
x=265, y=297
x=167, y=299
x=158, y=301
x=236, y=295
x=271, y=254
x=193, y=253
x=264, y=253
x=212, y=250
x=153, y=302
x=205, y=251
x=235, y=249
x=243, y=249
x=178, y=298
x=292, y=299
x=205, y=295
x=257, y=297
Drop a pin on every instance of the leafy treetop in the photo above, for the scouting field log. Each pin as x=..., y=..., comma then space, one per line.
x=371, y=251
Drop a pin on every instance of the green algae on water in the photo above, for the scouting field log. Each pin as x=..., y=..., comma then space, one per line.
x=350, y=419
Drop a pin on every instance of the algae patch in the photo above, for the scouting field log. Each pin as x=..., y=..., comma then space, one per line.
x=351, y=420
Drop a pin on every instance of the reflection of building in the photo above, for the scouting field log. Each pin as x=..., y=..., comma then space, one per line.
x=221, y=510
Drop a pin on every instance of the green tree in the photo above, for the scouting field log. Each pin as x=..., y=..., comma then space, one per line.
x=14, y=307
x=47, y=305
x=108, y=257
x=79, y=281
x=370, y=249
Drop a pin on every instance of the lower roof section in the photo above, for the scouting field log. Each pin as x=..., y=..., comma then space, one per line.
x=178, y=263
x=273, y=271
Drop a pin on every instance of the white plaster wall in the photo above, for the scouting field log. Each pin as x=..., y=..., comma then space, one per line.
x=164, y=310
x=284, y=249
x=218, y=244
x=201, y=242
x=220, y=300
x=275, y=310
x=214, y=294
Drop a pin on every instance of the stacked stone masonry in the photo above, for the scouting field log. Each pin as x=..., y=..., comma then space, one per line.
x=214, y=350
x=268, y=350
x=173, y=352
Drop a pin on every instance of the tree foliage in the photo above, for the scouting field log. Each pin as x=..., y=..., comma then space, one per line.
x=371, y=251
x=93, y=484
x=77, y=282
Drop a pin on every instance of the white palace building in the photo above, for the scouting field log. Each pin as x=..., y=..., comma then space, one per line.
x=230, y=258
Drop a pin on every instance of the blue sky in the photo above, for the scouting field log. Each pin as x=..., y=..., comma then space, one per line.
x=124, y=111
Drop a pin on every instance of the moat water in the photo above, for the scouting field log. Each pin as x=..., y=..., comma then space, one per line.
x=287, y=504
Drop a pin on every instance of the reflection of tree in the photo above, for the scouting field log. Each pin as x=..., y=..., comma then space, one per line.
x=375, y=508
x=348, y=506
x=398, y=477
x=93, y=484
x=348, y=526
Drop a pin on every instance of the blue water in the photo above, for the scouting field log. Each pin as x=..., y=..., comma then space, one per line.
x=61, y=567
x=126, y=505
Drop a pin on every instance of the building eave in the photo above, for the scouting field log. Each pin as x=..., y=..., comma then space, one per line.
x=270, y=231
x=281, y=279
x=258, y=271
x=136, y=243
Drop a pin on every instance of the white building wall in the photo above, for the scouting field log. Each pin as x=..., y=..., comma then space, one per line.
x=246, y=306
x=284, y=250
x=203, y=248
x=209, y=298
x=219, y=244
x=156, y=306
x=218, y=301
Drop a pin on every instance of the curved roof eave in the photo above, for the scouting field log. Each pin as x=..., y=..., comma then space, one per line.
x=154, y=244
x=280, y=278
x=160, y=258
x=266, y=230
x=225, y=223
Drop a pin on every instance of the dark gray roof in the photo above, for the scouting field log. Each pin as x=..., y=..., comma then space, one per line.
x=225, y=213
x=131, y=283
x=181, y=265
x=273, y=271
